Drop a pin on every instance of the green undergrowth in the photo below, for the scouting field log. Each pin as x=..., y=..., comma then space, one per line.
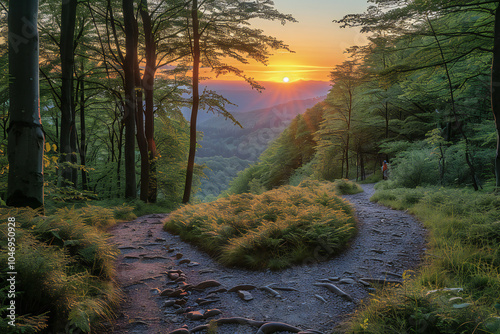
x=65, y=269
x=281, y=227
x=124, y=210
x=463, y=255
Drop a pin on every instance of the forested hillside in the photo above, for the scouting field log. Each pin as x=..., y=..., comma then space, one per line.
x=418, y=96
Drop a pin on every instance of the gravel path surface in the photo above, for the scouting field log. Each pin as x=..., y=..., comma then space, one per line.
x=171, y=286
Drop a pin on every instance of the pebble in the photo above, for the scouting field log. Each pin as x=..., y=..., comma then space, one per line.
x=347, y=281
x=169, y=303
x=173, y=276
x=179, y=256
x=245, y=295
x=184, y=261
x=206, y=284
x=194, y=315
x=211, y=313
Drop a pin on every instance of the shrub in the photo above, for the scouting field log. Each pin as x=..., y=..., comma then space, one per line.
x=65, y=268
x=272, y=230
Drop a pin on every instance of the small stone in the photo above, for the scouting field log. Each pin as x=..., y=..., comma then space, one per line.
x=166, y=292
x=347, y=281
x=184, y=261
x=173, y=276
x=177, y=293
x=193, y=264
x=194, y=315
x=169, y=303
x=205, y=271
x=180, y=302
x=179, y=256
x=211, y=313
x=206, y=284
x=245, y=295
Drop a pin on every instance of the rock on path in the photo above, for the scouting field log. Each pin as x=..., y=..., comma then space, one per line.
x=170, y=285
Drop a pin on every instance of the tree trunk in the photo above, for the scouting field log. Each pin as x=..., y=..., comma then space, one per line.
x=148, y=86
x=495, y=92
x=196, y=102
x=83, y=134
x=26, y=139
x=68, y=21
x=141, y=138
x=130, y=102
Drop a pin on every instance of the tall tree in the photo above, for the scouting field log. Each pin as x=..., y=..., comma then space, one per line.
x=131, y=37
x=495, y=92
x=67, y=48
x=196, y=100
x=26, y=139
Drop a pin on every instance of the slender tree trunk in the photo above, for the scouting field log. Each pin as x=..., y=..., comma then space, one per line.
x=141, y=138
x=196, y=102
x=26, y=139
x=74, y=145
x=495, y=92
x=83, y=134
x=130, y=102
x=148, y=86
x=68, y=21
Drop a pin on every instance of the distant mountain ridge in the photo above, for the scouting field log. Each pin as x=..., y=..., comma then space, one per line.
x=247, y=99
x=260, y=127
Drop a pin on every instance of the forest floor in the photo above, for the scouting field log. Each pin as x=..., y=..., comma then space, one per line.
x=160, y=276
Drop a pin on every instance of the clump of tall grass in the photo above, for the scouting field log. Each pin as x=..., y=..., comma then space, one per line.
x=463, y=252
x=276, y=229
x=65, y=269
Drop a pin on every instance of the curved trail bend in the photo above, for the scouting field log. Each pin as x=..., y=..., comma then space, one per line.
x=388, y=243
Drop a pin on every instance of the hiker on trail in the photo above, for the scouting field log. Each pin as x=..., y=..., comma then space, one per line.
x=385, y=170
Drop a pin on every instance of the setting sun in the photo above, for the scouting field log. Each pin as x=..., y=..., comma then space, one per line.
x=286, y=79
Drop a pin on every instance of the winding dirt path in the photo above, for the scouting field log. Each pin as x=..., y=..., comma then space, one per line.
x=155, y=263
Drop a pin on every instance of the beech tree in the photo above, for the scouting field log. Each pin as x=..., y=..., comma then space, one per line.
x=26, y=139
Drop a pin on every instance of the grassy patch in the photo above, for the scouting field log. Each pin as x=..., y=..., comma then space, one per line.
x=464, y=252
x=276, y=229
x=65, y=269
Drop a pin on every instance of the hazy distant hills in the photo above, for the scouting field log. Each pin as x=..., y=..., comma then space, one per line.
x=247, y=99
x=226, y=148
x=222, y=138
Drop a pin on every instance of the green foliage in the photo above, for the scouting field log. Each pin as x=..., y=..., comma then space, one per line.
x=219, y=172
x=464, y=245
x=294, y=148
x=275, y=229
x=346, y=187
x=65, y=268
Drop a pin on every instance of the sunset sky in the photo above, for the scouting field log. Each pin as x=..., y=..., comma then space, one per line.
x=319, y=44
